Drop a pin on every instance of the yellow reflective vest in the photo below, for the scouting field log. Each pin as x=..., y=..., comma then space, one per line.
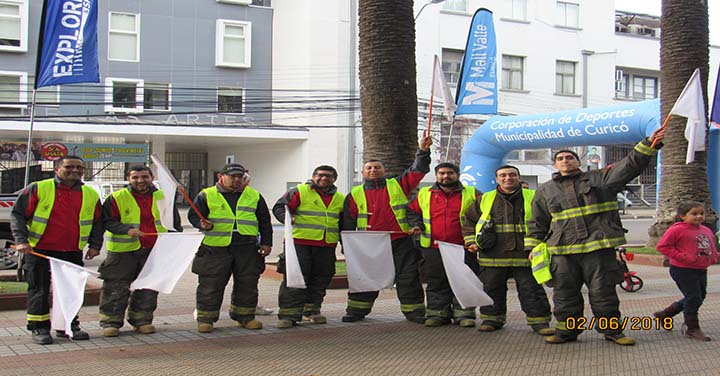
x=313, y=220
x=540, y=263
x=46, y=200
x=398, y=204
x=130, y=215
x=221, y=215
x=423, y=197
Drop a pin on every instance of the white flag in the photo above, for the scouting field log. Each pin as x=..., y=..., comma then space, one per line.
x=368, y=255
x=293, y=273
x=170, y=257
x=441, y=86
x=690, y=104
x=68, y=289
x=464, y=283
x=167, y=184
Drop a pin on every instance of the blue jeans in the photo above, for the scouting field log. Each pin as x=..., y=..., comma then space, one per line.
x=693, y=285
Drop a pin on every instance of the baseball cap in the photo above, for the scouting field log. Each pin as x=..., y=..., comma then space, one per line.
x=233, y=169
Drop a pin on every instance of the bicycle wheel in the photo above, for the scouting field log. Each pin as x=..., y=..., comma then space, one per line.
x=632, y=283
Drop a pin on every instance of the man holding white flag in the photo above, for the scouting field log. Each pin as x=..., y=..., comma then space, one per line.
x=132, y=221
x=55, y=217
x=380, y=204
x=316, y=207
x=436, y=214
x=690, y=104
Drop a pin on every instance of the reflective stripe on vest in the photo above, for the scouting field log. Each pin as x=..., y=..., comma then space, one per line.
x=468, y=197
x=486, y=204
x=46, y=200
x=130, y=215
x=540, y=263
x=398, y=204
x=223, y=219
x=313, y=220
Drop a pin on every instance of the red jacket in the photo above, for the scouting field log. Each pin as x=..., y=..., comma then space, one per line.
x=689, y=246
x=382, y=218
x=444, y=215
x=63, y=229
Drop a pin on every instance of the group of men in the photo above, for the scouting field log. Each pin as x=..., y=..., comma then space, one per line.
x=574, y=216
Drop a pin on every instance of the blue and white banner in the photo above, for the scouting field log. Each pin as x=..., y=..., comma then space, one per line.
x=68, y=43
x=477, y=86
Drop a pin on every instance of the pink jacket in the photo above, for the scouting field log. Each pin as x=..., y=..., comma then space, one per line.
x=689, y=246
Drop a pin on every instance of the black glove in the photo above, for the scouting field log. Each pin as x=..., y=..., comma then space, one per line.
x=487, y=237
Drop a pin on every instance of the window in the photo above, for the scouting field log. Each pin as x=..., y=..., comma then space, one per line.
x=156, y=96
x=518, y=9
x=123, y=95
x=512, y=72
x=637, y=87
x=13, y=25
x=564, y=77
x=536, y=155
x=568, y=14
x=456, y=5
x=230, y=99
x=261, y=3
x=12, y=89
x=451, y=64
x=123, y=40
x=46, y=95
x=232, y=44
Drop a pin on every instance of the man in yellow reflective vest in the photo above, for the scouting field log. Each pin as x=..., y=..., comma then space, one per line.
x=236, y=218
x=380, y=204
x=132, y=219
x=316, y=208
x=576, y=215
x=495, y=229
x=436, y=215
x=56, y=217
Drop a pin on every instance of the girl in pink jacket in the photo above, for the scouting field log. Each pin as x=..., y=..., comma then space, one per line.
x=691, y=249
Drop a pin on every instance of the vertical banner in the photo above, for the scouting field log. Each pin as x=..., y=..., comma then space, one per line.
x=68, y=50
x=477, y=86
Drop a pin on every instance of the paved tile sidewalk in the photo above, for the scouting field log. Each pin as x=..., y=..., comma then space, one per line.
x=383, y=344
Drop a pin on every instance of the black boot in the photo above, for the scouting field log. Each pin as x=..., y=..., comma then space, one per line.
x=42, y=336
x=670, y=311
x=77, y=333
x=691, y=328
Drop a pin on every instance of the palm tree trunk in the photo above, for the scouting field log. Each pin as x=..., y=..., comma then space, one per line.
x=684, y=46
x=388, y=92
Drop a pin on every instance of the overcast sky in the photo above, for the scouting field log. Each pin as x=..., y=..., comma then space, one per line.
x=653, y=7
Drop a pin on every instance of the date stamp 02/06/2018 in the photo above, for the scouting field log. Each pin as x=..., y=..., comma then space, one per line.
x=619, y=323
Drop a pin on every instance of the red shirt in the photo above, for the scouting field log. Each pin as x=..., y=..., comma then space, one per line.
x=380, y=214
x=63, y=229
x=444, y=215
x=147, y=221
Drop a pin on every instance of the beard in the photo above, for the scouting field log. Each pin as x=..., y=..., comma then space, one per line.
x=449, y=184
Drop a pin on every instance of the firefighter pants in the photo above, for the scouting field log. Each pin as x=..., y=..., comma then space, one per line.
x=407, y=283
x=318, y=267
x=441, y=302
x=600, y=272
x=37, y=275
x=533, y=300
x=214, y=266
x=118, y=271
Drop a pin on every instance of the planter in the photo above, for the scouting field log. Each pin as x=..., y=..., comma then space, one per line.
x=10, y=302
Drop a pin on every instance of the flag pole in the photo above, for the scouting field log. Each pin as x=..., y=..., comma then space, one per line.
x=665, y=123
x=432, y=98
x=447, y=150
x=29, y=140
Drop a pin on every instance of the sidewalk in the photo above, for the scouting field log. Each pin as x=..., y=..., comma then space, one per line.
x=383, y=344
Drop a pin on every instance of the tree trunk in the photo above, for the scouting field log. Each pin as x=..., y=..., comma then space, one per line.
x=388, y=92
x=684, y=46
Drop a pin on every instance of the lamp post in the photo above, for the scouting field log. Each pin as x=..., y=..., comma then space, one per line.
x=426, y=4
